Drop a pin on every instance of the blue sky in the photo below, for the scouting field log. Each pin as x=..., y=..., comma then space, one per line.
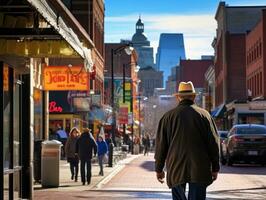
x=193, y=18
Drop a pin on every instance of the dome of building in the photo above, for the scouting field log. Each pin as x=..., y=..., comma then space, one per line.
x=139, y=37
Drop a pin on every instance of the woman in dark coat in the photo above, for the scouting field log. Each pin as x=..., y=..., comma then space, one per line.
x=70, y=149
x=86, y=145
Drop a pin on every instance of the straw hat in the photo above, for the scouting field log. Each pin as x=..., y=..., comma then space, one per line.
x=185, y=89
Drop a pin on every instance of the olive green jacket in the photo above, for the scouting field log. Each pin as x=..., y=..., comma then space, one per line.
x=187, y=141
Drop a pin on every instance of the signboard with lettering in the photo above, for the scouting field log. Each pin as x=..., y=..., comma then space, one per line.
x=65, y=78
x=123, y=115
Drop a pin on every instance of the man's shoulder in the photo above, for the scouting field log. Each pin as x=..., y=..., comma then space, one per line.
x=202, y=110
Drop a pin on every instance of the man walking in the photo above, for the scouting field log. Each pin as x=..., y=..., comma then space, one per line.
x=85, y=145
x=188, y=143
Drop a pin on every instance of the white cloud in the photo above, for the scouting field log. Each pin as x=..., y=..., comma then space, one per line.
x=198, y=30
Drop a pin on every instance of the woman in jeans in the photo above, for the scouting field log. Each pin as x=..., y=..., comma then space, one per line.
x=102, y=150
x=70, y=149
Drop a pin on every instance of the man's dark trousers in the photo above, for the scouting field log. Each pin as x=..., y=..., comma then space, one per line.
x=82, y=170
x=196, y=192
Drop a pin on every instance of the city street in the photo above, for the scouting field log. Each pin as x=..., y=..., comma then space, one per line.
x=136, y=180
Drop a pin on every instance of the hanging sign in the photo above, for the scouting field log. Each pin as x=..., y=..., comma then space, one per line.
x=65, y=78
x=123, y=115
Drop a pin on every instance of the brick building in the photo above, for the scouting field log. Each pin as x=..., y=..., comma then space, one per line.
x=255, y=59
x=90, y=14
x=194, y=70
x=238, y=71
x=229, y=45
x=125, y=82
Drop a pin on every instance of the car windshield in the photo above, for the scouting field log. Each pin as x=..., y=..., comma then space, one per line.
x=251, y=130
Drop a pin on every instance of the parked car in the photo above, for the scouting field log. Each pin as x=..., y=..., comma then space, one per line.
x=246, y=142
x=223, y=137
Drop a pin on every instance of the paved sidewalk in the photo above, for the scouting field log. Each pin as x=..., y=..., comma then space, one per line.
x=67, y=185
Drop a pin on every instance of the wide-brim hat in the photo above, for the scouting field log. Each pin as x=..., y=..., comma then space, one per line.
x=185, y=89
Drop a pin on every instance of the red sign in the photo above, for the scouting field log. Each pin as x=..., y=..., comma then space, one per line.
x=54, y=108
x=123, y=115
x=65, y=78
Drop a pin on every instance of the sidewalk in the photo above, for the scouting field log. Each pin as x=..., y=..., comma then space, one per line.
x=68, y=185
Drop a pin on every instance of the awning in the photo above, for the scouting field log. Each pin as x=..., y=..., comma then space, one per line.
x=55, y=19
x=218, y=112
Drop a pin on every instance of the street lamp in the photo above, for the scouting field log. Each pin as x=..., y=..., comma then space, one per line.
x=128, y=49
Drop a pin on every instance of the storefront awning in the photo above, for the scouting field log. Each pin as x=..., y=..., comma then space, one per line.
x=218, y=112
x=59, y=17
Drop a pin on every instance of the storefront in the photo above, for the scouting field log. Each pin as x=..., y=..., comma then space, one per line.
x=10, y=127
x=252, y=112
x=24, y=103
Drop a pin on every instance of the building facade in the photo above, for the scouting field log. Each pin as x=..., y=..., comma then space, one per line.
x=150, y=79
x=170, y=51
x=31, y=35
x=230, y=55
x=125, y=80
x=255, y=59
x=230, y=61
x=142, y=45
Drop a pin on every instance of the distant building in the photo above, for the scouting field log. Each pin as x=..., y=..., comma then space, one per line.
x=171, y=49
x=194, y=70
x=142, y=46
x=150, y=79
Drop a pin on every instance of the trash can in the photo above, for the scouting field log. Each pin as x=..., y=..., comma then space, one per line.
x=37, y=158
x=51, y=151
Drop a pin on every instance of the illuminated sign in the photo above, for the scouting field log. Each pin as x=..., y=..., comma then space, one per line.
x=65, y=78
x=54, y=108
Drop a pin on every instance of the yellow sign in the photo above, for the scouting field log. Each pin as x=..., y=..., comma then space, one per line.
x=65, y=78
x=5, y=79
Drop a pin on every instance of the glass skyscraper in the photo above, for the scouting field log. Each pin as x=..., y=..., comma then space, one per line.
x=171, y=49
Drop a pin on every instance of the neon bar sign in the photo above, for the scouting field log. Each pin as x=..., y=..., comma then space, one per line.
x=54, y=108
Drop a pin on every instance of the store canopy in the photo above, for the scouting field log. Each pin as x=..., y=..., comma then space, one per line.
x=218, y=112
x=62, y=20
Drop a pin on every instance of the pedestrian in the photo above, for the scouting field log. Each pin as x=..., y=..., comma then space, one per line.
x=147, y=144
x=62, y=137
x=187, y=143
x=85, y=147
x=102, y=150
x=70, y=150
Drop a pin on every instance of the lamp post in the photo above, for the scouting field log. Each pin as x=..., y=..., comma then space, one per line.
x=136, y=69
x=128, y=49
